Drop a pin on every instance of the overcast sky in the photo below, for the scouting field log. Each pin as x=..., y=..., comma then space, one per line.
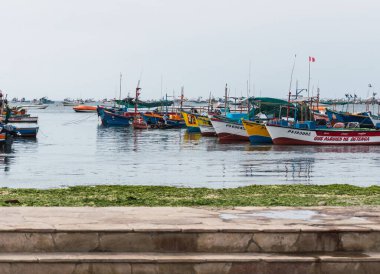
x=77, y=48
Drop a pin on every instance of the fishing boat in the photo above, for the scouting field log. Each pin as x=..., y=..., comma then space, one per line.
x=34, y=106
x=257, y=132
x=228, y=129
x=191, y=122
x=30, y=132
x=20, y=119
x=205, y=126
x=45, y=100
x=21, y=131
x=67, y=102
x=264, y=110
x=112, y=117
x=85, y=108
x=307, y=134
x=172, y=120
x=346, y=117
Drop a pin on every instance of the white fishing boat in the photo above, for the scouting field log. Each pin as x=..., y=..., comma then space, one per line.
x=33, y=106
x=228, y=130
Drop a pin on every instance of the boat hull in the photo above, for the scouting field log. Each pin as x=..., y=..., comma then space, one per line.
x=30, y=132
x=83, y=108
x=229, y=131
x=257, y=133
x=205, y=126
x=290, y=136
x=191, y=122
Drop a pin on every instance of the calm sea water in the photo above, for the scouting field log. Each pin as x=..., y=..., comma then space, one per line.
x=74, y=149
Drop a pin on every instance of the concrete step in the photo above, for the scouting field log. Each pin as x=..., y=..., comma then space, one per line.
x=290, y=241
x=192, y=263
x=237, y=230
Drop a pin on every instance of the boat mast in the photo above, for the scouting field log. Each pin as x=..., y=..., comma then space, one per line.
x=120, y=87
x=166, y=103
x=225, y=100
x=317, y=99
x=249, y=88
x=308, y=89
x=137, y=95
x=288, y=108
x=182, y=96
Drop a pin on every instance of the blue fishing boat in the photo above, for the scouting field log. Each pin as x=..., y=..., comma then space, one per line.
x=30, y=132
x=115, y=117
x=346, y=117
x=21, y=131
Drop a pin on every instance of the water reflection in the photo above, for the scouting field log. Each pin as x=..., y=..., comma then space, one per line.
x=4, y=162
x=85, y=153
x=327, y=149
x=299, y=169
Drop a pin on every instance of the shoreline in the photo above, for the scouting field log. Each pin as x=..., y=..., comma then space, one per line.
x=153, y=196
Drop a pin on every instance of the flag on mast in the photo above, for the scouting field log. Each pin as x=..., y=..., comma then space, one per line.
x=311, y=59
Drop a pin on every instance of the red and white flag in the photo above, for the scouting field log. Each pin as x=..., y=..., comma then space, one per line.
x=311, y=59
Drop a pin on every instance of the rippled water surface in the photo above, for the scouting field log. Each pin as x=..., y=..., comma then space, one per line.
x=73, y=149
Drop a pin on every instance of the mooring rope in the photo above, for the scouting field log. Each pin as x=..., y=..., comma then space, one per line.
x=75, y=122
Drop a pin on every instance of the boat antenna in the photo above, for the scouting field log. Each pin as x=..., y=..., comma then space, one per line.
x=291, y=74
x=182, y=96
x=121, y=75
x=209, y=103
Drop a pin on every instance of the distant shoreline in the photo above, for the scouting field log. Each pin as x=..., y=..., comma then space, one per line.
x=255, y=195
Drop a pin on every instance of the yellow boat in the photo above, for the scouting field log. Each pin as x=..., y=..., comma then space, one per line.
x=191, y=122
x=257, y=133
x=205, y=126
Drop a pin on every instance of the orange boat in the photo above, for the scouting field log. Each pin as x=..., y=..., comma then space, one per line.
x=84, y=108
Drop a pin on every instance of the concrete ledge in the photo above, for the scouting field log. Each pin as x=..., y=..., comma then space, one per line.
x=149, y=257
x=184, y=219
x=123, y=263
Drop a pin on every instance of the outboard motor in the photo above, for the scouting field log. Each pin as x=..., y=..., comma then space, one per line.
x=8, y=129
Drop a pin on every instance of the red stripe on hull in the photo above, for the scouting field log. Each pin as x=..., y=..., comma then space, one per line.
x=232, y=137
x=347, y=133
x=289, y=141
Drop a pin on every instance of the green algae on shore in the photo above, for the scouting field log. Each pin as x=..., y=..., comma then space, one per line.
x=254, y=195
